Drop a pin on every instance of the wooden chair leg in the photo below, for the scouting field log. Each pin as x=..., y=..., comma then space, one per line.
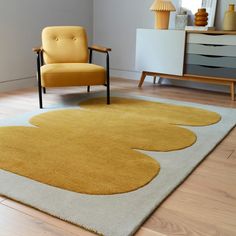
x=88, y=89
x=143, y=76
x=44, y=90
x=232, y=91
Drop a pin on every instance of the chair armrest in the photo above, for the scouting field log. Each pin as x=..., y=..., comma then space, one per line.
x=99, y=49
x=37, y=49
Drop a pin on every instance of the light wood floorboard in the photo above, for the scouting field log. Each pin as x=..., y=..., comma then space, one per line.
x=16, y=223
x=2, y=199
x=205, y=204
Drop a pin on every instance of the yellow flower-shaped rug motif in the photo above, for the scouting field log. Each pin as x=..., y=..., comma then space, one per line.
x=92, y=150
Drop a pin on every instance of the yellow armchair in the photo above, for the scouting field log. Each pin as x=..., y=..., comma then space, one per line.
x=66, y=60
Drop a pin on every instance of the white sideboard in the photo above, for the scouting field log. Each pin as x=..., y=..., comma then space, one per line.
x=208, y=57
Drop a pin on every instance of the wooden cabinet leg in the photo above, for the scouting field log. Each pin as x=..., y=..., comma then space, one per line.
x=154, y=80
x=142, y=79
x=232, y=91
x=160, y=80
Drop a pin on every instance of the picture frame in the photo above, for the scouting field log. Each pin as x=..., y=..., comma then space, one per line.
x=210, y=6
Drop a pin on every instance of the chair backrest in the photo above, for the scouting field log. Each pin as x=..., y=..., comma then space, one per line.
x=65, y=44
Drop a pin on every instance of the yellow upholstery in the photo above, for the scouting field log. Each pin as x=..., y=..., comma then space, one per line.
x=63, y=61
x=65, y=44
x=65, y=53
x=72, y=74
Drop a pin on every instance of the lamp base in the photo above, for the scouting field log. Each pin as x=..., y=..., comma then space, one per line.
x=162, y=19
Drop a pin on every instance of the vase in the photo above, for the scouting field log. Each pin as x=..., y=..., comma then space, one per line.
x=201, y=17
x=181, y=21
x=230, y=19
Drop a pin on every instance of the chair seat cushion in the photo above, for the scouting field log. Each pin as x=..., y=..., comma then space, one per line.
x=72, y=74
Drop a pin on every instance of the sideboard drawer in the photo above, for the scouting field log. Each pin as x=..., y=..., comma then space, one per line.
x=210, y=71
x=217, y=61
x=229, y=40
x=207, y=49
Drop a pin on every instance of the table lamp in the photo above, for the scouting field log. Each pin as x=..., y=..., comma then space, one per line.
x=162, y=9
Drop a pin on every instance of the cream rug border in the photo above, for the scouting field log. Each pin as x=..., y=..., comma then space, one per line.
x=122, y=214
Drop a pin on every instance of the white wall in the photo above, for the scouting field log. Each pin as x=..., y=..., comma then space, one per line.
x=115, y=24
x=21, y=22
x=111, y=23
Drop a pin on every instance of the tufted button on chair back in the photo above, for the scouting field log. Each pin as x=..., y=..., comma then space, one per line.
x=65, y=44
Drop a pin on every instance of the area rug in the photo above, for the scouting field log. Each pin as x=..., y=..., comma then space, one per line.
x=135, y=152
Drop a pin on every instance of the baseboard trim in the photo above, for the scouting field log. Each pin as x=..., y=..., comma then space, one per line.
x=10, y=85
x=132, y=75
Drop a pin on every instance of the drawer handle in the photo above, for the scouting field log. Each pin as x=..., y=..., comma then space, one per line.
x=212, y=67
x=213, y=56
x=214, y=34
x=212, y=45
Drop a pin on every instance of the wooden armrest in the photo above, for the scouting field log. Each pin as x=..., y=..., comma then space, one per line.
x=99, y=48
x=37, y=50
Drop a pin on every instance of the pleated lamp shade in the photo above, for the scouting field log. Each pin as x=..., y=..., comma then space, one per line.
x=162, y=5
x=162, y=9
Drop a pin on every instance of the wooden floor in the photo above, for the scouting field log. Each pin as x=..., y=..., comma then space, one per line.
x=204, y=205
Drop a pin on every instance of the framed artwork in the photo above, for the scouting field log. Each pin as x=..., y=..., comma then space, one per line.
x=210, y=6
x=193, y=6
